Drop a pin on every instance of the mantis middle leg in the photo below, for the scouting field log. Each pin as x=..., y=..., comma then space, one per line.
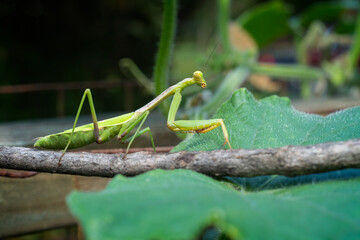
x=126, y=130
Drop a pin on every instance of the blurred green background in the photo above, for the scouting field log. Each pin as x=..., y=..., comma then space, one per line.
x=74, y=41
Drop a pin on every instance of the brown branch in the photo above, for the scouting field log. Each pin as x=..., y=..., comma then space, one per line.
x=289, y=161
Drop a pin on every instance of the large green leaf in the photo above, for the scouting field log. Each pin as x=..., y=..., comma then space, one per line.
x=273, y=122
x=181, y=204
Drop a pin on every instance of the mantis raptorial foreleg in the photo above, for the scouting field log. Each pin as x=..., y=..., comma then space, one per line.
x=198, y=126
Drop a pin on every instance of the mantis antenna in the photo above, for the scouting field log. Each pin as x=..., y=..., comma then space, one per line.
x=212, y=52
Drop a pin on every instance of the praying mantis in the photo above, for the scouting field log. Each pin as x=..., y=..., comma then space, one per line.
x=121, y=126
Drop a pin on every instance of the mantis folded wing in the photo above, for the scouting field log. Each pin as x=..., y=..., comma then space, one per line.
x=121, y=126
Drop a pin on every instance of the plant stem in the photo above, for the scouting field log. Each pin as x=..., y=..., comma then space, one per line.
x=223, y=24
x=161, y=71
x=288, y=71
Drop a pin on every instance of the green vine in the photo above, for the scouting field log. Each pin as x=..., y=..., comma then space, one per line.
x=223, y=21
x=161, y=70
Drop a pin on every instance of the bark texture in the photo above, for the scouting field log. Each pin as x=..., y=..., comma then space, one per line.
x=288, y=161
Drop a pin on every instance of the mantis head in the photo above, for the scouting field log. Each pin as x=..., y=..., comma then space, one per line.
x=199, y=79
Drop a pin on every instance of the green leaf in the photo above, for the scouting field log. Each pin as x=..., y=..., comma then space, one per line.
x=266, y=22
x=273, y=122
x=181, y=204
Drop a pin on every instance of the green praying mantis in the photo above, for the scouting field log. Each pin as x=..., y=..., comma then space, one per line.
x=121, y=126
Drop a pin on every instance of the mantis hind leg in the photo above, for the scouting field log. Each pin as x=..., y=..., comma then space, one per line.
x=87, y=93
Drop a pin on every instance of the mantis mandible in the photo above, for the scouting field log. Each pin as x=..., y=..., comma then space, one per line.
x=121, y=126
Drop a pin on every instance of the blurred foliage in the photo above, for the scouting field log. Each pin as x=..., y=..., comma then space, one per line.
x=327, y=35
x=329, y=11
x=257, y=23
x=43, y=42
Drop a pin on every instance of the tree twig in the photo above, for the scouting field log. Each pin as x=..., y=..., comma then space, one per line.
x=288, y=161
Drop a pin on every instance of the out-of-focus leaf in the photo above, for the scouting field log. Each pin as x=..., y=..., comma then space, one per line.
x=266, y=22
x=329, y=12
x=181, y=204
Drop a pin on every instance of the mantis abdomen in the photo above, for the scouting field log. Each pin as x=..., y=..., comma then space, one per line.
x=80, y=138
x=60, y=140
x=84, y=135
